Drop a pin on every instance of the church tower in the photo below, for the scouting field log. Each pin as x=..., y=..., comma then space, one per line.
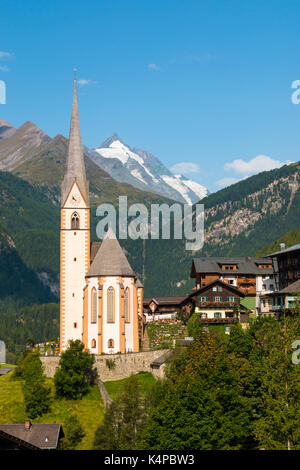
x=74, y=235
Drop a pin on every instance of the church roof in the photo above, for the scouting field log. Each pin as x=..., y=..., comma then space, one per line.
x=110, y=259
x=138, y=283
x=75, y=168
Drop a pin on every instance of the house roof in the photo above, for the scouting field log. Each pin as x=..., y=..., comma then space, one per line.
x=160, y=360
x=5, y=370
x=40, y=435
x=110, y=259
x=171, y=300
x=287, y=250
x=293, y=288
x=243, y=266
x=234, y=289
x=6, y=437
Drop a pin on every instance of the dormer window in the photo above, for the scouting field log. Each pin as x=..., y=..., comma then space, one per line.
x=75, y=221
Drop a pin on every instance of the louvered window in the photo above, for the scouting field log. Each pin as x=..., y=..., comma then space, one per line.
x=75, y=221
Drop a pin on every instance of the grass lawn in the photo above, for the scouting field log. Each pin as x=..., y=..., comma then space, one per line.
x=145, y=379
x=89, y=410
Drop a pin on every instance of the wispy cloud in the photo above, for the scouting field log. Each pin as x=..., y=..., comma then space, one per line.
x=4, y=68
x=153, y=67
x=224, y=182
x=85, y=82
x=5, y=55
x=255, y=165
x=185, y=168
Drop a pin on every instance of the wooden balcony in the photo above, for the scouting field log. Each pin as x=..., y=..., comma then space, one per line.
x=213, y=304
x=218, y=321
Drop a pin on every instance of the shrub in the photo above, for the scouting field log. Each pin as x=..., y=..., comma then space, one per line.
x=110, y=364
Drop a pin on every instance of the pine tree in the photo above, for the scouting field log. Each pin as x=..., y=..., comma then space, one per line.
x=123, y=420
x=36, y=392
x=73, y=432
x=201, y=405
x=278, y=426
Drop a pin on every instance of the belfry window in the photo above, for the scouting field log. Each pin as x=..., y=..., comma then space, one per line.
x=126, y=305
x=94, y=306
x=75, y=221
x=110, y=305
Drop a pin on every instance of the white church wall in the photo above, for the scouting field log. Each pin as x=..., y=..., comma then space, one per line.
x=75, y=258
x=111, y=330
x=92, y=327
x=129, y=326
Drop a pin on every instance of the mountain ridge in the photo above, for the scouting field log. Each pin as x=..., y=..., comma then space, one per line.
x=144, y=171
x=239, y=219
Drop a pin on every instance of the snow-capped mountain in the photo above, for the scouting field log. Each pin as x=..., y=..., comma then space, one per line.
x=144, y=171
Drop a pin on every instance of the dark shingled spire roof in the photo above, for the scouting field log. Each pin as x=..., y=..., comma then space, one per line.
x=110, y=259
x=75, y=168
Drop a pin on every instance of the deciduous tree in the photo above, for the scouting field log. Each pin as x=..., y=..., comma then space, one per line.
x=75, y=372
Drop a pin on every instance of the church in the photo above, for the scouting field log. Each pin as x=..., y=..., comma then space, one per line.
x=101, y=299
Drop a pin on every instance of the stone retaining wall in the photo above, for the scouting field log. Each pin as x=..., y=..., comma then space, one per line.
x=104, y=394
x=125, y=364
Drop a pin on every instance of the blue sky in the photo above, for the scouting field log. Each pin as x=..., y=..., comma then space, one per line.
x=204, y=84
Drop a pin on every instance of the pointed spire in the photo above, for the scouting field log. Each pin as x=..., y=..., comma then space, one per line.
x=75, y=168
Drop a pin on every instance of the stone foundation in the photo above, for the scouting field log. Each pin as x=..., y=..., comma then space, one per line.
x=125, y=364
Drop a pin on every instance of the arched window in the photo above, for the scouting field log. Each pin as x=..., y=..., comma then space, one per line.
x=126, y=305
x=94, y=306
x=75, y=221
x=110, y=305
x=110, y=343
x=93, y=343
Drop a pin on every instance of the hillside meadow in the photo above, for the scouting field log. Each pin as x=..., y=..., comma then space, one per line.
x=90, y=410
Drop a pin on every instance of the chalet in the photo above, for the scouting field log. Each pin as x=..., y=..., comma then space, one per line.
x=162, y=307
x=284, y=300
x=252, y=276
x=37, y=436
x=218, y=303
x=286, y=265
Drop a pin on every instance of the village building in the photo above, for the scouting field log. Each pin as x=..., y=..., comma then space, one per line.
x=218, y=303
x=101, y=299
x=158, y=307
x=286, y=263
x=252, y=276
x=284, y=300
x=29, y=436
